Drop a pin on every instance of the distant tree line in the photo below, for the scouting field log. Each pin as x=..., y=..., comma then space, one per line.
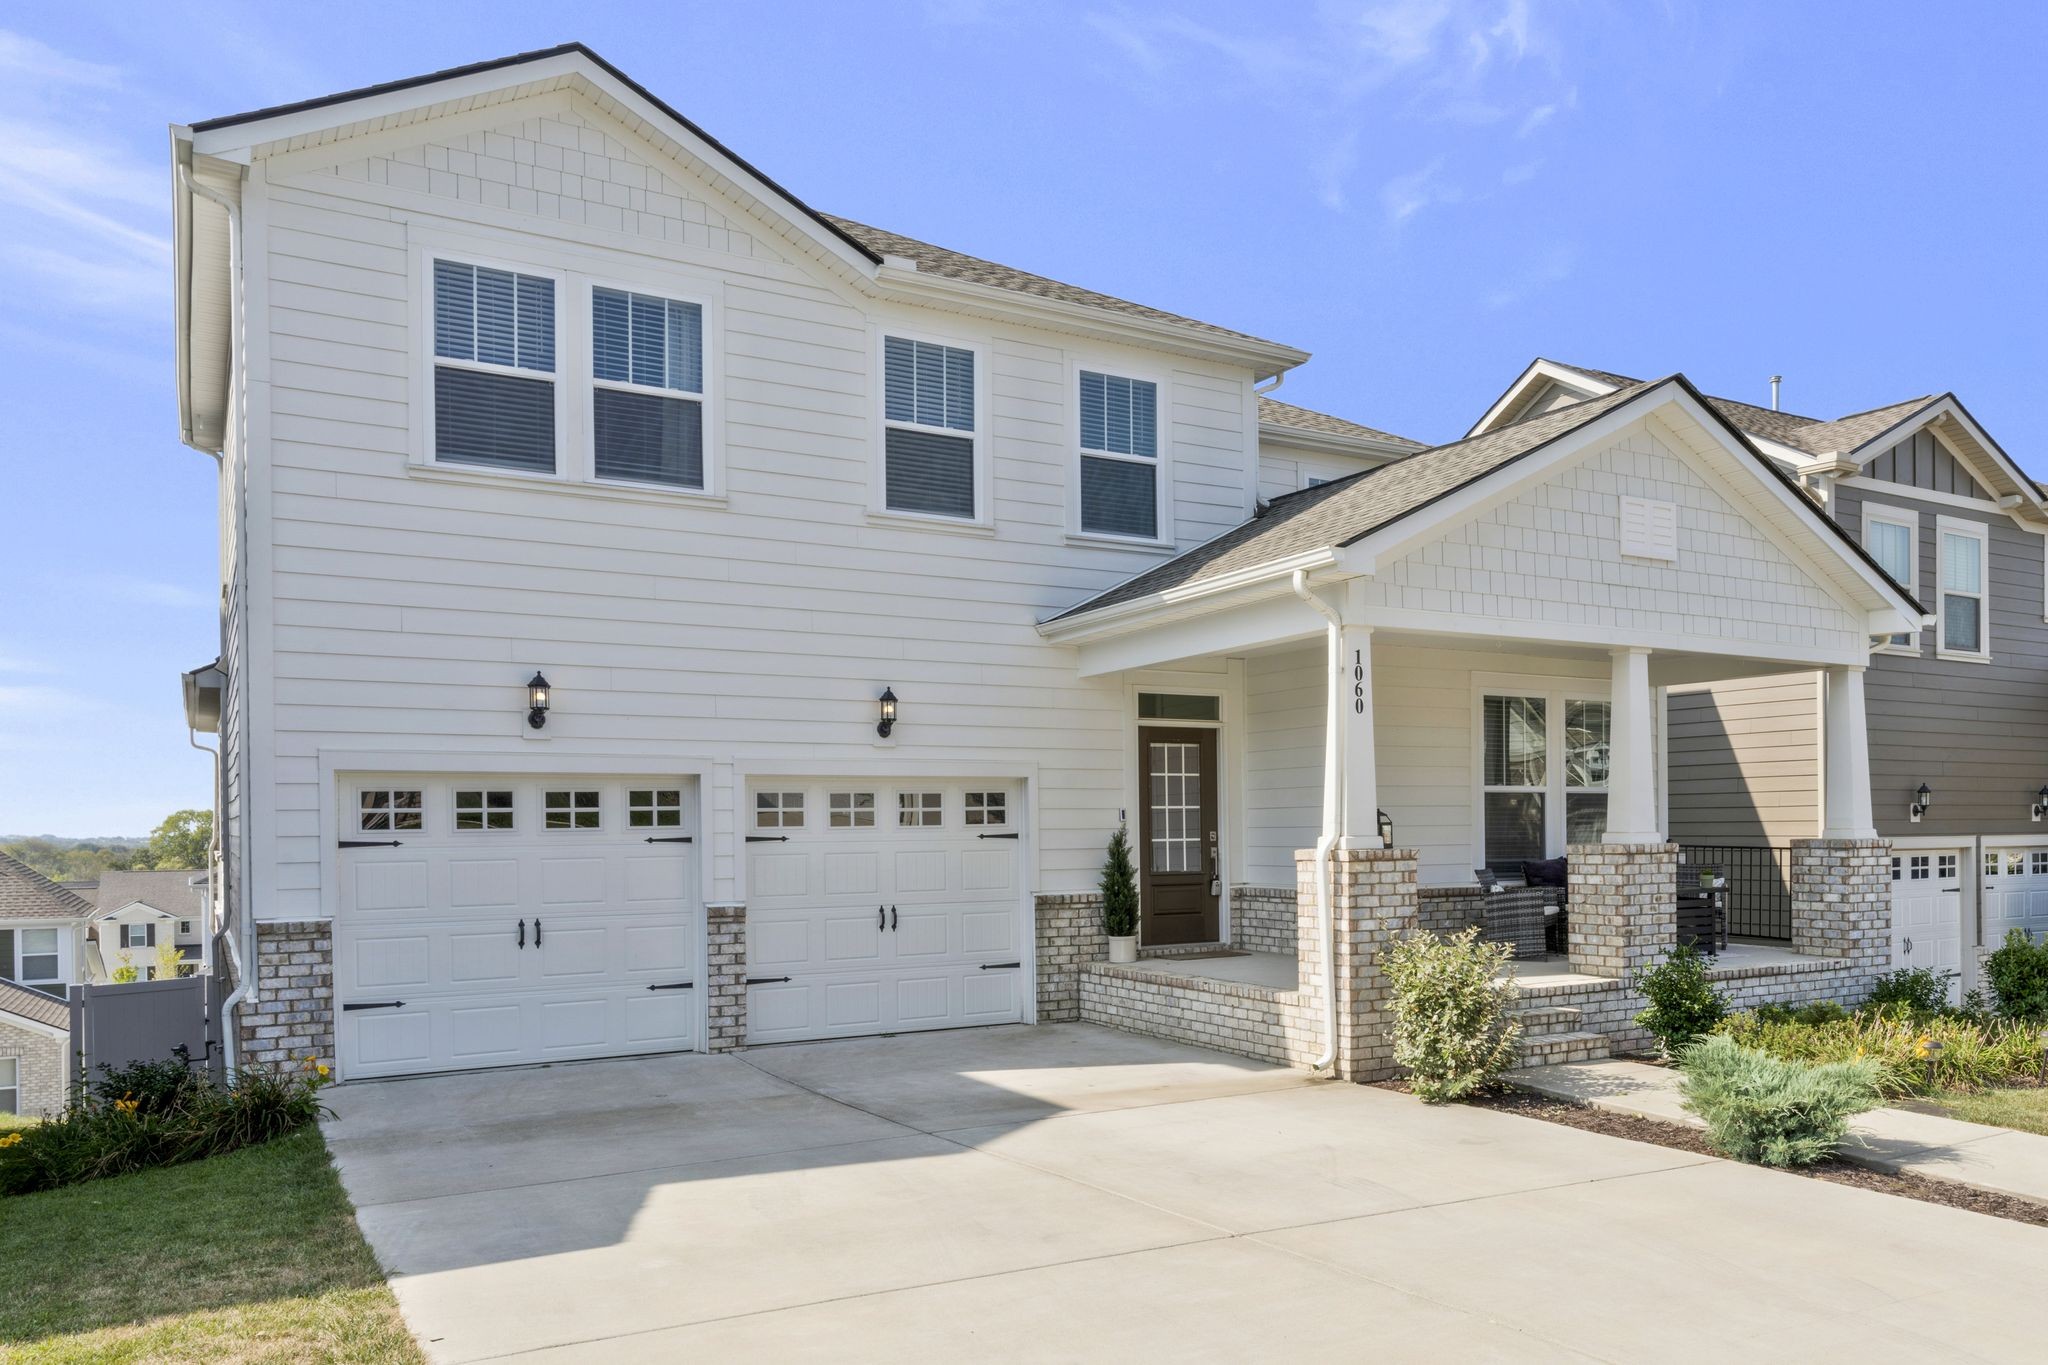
x=179, y=842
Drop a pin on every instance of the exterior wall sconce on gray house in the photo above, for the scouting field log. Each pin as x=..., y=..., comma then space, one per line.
x=1922, y=799
x=537, y=700
x=2040, y=807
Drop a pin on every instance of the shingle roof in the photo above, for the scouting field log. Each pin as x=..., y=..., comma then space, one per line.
x=1282, y=414
x=1812, y=435
x=27, y=894
x=955, y=265
x=1340, y=512
x=28, y=1004
x=169, y=891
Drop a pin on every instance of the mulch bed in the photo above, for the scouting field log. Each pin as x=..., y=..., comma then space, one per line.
x=1681, y=1138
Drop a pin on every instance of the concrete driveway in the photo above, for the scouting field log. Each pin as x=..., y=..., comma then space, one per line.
x=1072, y=1193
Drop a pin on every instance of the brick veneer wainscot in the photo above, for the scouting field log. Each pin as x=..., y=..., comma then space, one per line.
x=293, y=1017
x=1842, y=900
x=725, y=977
x=1069, y=936
x=40, y=1069
x=1373, y=902
x=1624, y=906
x=1264, y=919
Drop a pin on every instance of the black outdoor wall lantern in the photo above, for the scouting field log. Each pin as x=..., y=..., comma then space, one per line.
x=2041, y=803
x=1386, y=830
x=1922, y=799
x=888, y=721
x=537, y=700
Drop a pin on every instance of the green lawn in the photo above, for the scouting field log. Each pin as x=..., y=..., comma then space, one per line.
x=253, y=1256
x=2024, y=1108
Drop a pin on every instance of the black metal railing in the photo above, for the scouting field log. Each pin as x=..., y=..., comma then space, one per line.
x=1759, y=885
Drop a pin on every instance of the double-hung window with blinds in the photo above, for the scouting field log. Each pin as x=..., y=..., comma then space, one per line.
x=1119, y=456
x=928, y=429
x=494, y=367
x=1889, y=538
x=1962, y=586
x=647, y=388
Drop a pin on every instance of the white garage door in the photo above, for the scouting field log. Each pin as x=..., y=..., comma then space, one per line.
x=1927, y=911
x=874, y=907
x=2015, y=892
x=489, y=921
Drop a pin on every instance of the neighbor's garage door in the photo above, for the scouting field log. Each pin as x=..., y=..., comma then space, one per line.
x=490, y=921
x=2015, y=892
x=1927, y=911
x=879, y=906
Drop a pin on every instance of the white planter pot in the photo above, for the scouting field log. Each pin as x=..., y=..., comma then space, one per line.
x=1124, y=949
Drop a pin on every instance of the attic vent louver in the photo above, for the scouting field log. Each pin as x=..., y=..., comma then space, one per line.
x=1649, y=530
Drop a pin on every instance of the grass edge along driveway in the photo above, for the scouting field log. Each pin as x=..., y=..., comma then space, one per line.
x=252, y=1256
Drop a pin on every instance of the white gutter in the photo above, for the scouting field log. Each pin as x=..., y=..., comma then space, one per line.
x=1333, y=753
x=245, y=990
x=213, y=878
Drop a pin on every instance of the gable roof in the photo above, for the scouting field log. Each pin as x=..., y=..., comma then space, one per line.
x=1347, y=510
x=24, y=1003
x=170, y=891
x=1273, y=412
x=871, y=244
x=27, y=894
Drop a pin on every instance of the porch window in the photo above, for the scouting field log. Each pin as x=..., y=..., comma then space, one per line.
x=1962, y=587
x=1515, y=779
x=1587, y=745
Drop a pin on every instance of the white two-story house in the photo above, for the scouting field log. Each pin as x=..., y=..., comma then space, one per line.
x=658, y=615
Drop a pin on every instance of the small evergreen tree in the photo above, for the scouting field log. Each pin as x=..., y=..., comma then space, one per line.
x=1119, y=888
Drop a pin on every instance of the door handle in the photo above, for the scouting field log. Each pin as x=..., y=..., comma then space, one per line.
x=536, y=931
x=881, y=919
x=522, y=933
x=892, y=919
x=1909, y=947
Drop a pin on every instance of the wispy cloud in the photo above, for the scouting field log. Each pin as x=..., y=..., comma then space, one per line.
x=1407, y=195
x=1552, y=266
x=143, y=591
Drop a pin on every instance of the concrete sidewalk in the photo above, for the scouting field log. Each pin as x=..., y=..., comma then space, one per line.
x=1985, y=1158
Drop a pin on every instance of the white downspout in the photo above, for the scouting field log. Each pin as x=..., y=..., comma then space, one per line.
x=1333, y=757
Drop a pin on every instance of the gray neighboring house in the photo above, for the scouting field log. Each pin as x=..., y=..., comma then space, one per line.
x=42, y=938
x=135, y=912
x=1959, y=707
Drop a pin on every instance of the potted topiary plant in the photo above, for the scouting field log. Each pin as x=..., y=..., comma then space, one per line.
x=1120, y=899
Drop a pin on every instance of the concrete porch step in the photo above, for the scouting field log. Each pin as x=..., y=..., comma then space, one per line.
x=1579, y=1045
x=1545, y=1021
x=1188, y=950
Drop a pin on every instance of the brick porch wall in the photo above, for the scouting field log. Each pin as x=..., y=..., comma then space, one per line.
x=294, y=1016
x=1842, y=901
x=1624, y=906
x=1069, y=936
x=41, y=1068
x=1264, y=919
x=1373, y=901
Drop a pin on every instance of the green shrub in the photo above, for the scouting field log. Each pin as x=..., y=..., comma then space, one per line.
x=1918, y=990
x=136, y=1119
x=1684, y=1005
x=1760, y=1108
x=2018, y=973
x=1119, y=888
x=156, y=1087
x=1974, y=1053
x=1454, y=1022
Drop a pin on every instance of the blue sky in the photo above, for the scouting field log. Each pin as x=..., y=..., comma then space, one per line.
x=1425, y=193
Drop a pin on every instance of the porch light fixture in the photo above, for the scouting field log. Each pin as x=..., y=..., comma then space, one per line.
x=888, y=721
x=1922, y=799
x=537, y=700
x=1386, y=830
x=2040, y=803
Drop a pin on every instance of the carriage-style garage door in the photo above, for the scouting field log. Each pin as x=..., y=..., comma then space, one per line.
x=874, y=906
x=1927, y=910
x=2015, y=892
x=490, y=921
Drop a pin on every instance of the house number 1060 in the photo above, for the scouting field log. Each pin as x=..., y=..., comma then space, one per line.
x=1358, y=681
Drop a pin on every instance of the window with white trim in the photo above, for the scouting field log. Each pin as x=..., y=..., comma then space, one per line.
x=184, y=928
x=494, y=368
x=37, y=960
x=1918, y=868
x=10, y=1085
x=1514, y=778
x=929, y=447
x=1960, y=608
x=1893, y=539
x=386, y=809
x=1119, y=456
x=571, y=810
x=647, y=388
x=920, y=809
x=483, y=809
x=778, y=810
x=851, y=810
x=1945, y=866
x=2039, y=859
x=987, y=808
x=654, y=808
x=1588, y=744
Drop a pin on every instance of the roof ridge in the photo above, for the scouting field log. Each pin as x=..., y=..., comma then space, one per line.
x=1882, y=407
x=13, y=866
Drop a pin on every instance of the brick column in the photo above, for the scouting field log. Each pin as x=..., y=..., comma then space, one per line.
x=1372, y=898
x=1624, y=906
x=725, y=977
x=1069, y=934
x=293, y=1016
x=1842, y=901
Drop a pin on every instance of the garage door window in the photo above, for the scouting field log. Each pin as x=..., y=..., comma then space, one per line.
x=654, y=808
x=571, y=810
x=852, y=810
x=778, y=810
x=988, y=808
x=383, y=810
x=1947, y=865
x=920, y=810
x=483, y=810
x=10, y=1086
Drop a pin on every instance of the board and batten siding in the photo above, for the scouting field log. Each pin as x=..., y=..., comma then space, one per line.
x=407, y=607
x=1745, y=760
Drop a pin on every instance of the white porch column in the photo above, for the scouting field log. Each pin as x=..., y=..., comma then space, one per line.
x=1847, y=737
x=1631, y=763
x=1359, y=808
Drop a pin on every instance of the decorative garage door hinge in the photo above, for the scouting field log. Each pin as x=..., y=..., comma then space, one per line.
x=992, y=966
x=674, y=986
x=764, y=980
x=1011, y=835
x=767, y=838
x=369, y=843
x=670, y=839
x=375, y=1005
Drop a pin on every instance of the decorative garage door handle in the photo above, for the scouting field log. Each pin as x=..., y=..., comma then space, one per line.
x=892, y=919
x=881, y=919
x=370, y=843
x=375, y=1005
x=522, y=933
x=1909, y=947
x=536, y=931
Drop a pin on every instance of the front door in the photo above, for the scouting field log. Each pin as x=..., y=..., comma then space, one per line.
x=1179, y=876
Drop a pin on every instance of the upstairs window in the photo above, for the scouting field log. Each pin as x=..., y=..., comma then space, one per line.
x=494, y=335
x=39, y=960
x=647, y=388
x=1962, y=604
x=928, y=429
x=1890, y=537
x=1119, y=456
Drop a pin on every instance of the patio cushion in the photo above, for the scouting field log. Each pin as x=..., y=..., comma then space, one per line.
x=1545, y=872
